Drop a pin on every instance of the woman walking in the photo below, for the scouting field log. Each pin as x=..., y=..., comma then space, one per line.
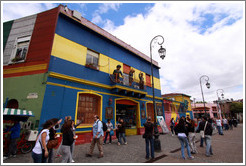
x=192, y=136
x=40, y=151
x=67, y=140
x=182, y=136
x=109, y=128
x=172, y=123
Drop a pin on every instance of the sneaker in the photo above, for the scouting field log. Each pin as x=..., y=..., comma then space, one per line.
x=207, y=155
x=5, y=157
x=191, y=157
x=118, y=144
x=125, y=143
x=211, y=154
x=73, y=161
x=100, y=156
x=109, y=143
x=14, y=156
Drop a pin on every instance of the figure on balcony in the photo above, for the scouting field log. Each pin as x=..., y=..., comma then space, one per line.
x=116, y=74
x=131, y=76
x=141, y=81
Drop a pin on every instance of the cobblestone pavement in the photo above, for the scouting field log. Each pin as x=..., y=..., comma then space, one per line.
x=226, y=149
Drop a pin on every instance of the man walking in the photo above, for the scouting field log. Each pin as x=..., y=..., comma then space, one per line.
x=208, y=130
x=219, y=126
x=97, y=137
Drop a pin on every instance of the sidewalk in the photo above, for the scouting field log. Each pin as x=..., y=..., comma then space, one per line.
x=227, y=148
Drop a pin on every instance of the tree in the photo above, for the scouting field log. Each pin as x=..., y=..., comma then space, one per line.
x=236, y=107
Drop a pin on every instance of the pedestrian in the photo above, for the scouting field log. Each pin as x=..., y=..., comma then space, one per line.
x=15, y=134
x=230, y=123
x=198, y=124
x=52, y=135
x=109, y=128
x=97, y=137
x=117, y=129
x=225, y=123
x=149, y=141
x=67, y=140
x=208, y=130
x=182, y=136
x=172, y=126
x=40, y=151
x=219, y=126
x=74, y=133
x=192, y=136
x=234, y=122
x=122, y=131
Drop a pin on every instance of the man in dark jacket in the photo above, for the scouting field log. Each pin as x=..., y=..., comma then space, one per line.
x=149, y=129
x=208, y=130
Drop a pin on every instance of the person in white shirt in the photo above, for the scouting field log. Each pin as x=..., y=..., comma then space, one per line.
x=219, y=126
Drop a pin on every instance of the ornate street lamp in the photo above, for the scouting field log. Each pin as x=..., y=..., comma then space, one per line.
x=222, y=95
x=162, y=53
x=208, y=86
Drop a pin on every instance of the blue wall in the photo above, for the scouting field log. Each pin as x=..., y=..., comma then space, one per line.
x=78, y=33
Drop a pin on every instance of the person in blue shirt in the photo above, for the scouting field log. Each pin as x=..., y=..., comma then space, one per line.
x=97, y=137
x=15, y=134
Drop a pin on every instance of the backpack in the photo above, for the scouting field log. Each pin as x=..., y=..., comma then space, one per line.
x=104, y=126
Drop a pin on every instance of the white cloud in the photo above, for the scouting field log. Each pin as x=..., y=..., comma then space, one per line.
x=218, y=53
x=13, y=11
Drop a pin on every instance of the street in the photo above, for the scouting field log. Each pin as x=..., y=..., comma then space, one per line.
x=227, y=149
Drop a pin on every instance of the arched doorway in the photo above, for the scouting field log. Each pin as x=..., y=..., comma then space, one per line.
x=129, y=111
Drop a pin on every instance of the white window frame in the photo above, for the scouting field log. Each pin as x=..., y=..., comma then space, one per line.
x=20, y=44
x=93, y=54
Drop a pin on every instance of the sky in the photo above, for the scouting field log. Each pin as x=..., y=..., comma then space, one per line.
x=201, y=38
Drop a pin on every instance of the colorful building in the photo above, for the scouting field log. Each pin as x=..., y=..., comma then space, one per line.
x=212, y=110
x=57, y=64
x=176, y=105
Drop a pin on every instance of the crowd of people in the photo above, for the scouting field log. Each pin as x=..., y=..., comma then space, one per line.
x=184, y=127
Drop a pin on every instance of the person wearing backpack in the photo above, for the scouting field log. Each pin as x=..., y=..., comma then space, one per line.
x=97, y=137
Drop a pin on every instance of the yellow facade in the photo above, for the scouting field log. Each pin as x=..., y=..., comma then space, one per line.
x=76, y=53
x=181, y=98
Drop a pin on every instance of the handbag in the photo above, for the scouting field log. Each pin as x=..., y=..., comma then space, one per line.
x=52, y=143
x=111, y=133
x=202, y=132
x=144, y=135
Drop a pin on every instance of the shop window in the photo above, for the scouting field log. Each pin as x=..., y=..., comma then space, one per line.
x=20, y=51
x=92, y=59
x=148, y=81
x=88, y=106
x=167, y=107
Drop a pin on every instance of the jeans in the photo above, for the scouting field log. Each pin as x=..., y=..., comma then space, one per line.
x=12, y=147
x=72, y=148
x=184, y=142
x=66, y=154
x=110, y=138
x=149, y=141
x=50, y=157
x=37, y=158
x=122, y=135
x=192, y=142
x=208, y=145
x=220, y=131
x=201, y=142
x=99, y=142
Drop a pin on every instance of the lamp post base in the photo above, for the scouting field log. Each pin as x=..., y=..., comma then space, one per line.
x=157, y=142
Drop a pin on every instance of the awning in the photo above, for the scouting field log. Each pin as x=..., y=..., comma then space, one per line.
x=18, y=112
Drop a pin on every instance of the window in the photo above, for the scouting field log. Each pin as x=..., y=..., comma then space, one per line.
x=92, y=58
x=88, y=106
x=148, y=81
x=20, y=51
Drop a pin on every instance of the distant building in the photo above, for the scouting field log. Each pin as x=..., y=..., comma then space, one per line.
x=176, y=105
x=212, y=110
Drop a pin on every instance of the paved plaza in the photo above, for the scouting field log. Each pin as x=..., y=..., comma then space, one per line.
x=227, y=149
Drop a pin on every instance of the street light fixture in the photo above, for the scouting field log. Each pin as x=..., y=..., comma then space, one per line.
x=162, y=53
x=208, y=86
x=222, y=95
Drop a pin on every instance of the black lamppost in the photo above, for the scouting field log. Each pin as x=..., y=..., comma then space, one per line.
x=218, y=103
x=208, y=86
x=162, y=53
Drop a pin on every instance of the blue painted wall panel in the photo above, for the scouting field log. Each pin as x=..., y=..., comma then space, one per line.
x=78, y=33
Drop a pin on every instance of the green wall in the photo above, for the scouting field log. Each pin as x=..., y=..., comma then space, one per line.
x=19, y=87
x=6, y=30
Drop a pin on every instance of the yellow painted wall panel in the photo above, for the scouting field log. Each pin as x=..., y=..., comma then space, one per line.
x=157, y=83
x=69, y=50
x=104, y=63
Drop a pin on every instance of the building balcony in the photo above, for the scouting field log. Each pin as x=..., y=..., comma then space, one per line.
x=123, y=87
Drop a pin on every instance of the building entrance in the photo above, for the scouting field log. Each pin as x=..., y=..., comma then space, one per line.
x=127, y=110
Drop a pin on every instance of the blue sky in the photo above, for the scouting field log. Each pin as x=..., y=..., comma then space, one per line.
x=201, y=38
